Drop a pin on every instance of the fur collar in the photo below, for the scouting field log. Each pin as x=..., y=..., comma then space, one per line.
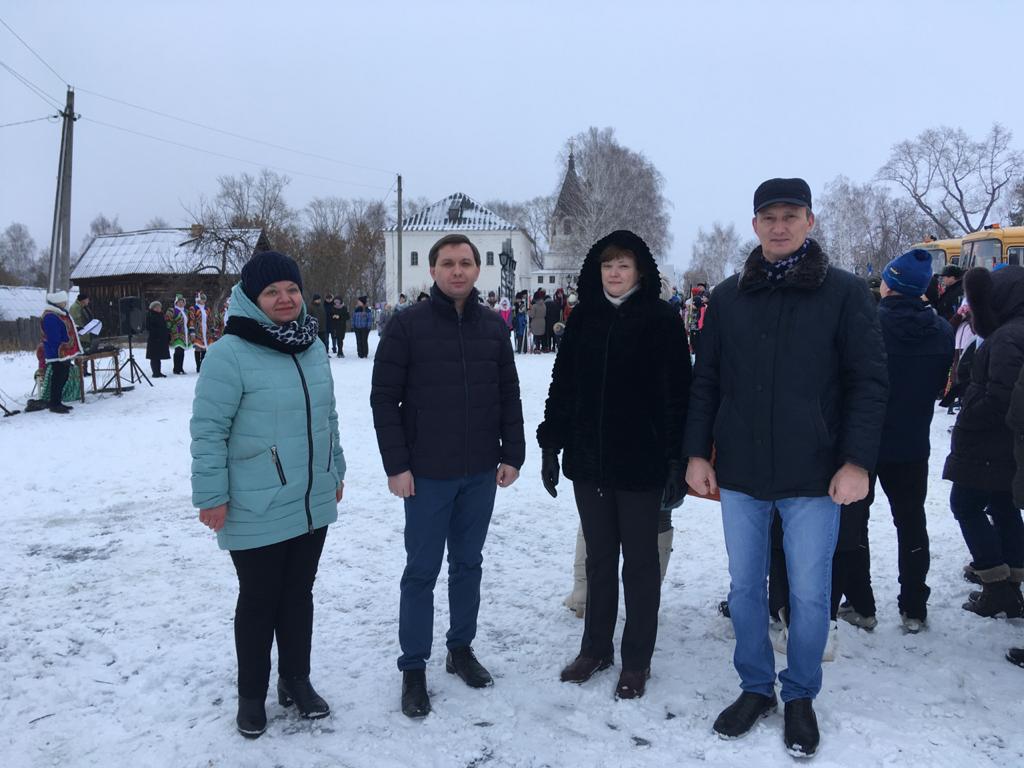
x=808, y=274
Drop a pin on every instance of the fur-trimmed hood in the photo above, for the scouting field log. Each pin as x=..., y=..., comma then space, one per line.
x=994, y=297
x=807, y=274
x=590, y=289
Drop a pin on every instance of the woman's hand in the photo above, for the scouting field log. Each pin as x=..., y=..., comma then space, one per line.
x=214, y=517
x=340, y=492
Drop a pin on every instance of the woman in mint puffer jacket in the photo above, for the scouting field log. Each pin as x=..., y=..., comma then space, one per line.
x=267, y=475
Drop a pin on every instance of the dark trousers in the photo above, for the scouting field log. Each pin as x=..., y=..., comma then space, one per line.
x=991, y=526
x=337, y=341
x=58, y=378
x=456, y=512
x=275, y=598
x=324, y=336
x=179, y=360
x=154, y=365
x=362, y=341
x=627, y=521
x=905, y=484
x=200, y=356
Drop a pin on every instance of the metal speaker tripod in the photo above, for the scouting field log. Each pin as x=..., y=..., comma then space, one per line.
x=135, y=373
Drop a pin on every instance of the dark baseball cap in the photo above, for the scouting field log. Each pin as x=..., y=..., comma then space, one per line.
x=792, y=191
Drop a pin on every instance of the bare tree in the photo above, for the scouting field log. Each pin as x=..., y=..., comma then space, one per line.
x=18, y=262
x=257, y=201
x=100, y=225
x=533, y=217
x=1015, y=208
x=621, y=189
x=343, y=247
x=157, y=222
x=716, y=254
x=954, y=180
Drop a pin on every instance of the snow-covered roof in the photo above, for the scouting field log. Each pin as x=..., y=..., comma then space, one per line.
x=149, y=252
x=455, y=212
x=17, y=301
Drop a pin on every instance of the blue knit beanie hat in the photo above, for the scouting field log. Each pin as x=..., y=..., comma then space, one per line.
x=268, y=267
x=910, y=273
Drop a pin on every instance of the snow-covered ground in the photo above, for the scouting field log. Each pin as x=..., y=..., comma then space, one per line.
x=117, y=648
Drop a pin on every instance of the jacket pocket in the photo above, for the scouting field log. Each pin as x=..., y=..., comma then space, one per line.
x=277, y=465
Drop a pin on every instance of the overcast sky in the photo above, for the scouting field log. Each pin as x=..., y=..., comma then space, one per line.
x=479, y=97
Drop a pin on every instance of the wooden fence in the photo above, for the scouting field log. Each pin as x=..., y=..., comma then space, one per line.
x=22, y=334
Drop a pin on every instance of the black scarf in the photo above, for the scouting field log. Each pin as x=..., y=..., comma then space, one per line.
x=776, y=271
x=290, y=338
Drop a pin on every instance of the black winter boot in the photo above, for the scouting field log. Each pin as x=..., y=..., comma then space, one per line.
x=1015, y=656
x=299, y=691
x=739, y=717
x=252, y=717
x=801, y=730
x=415, y=701
x=462, y=662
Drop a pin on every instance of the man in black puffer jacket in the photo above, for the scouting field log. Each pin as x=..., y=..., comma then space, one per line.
x=980, y=462
x=790, y=386
x=449, y=424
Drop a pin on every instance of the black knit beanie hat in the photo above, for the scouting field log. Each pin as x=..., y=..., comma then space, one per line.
x=268, y=267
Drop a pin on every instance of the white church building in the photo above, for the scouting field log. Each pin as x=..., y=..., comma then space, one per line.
x=457, y=213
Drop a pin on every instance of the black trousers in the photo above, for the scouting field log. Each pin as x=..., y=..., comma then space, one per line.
x=362, y=341
x=58, y=378
x=275, y=598
x=627, y=521
x=179, y=360
x=324, y=337
x=200, y=355
x=154, y=365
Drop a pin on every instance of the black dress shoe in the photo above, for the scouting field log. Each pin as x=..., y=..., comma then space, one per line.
x=60, y=408
x=739, y=717
x=582, y=668
x=632, y=683
x=299, y=691
x=801, y=732
x=415, y=701
x=462, y=662
x=1015, y=656
x=252, y=718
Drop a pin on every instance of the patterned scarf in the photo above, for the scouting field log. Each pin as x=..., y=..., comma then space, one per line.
x=776, y=271
x=290, y=338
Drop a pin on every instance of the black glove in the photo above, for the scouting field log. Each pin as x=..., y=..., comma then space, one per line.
x=549, y=471
x=675, y=485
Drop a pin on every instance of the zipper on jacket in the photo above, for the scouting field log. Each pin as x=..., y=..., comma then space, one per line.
x=309, y=438
x=277, y=463
x=600, y=418
x=330, y=453
x=465, y=382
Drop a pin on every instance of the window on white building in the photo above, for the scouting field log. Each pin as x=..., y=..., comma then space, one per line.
x=540, y=279
x=551, y=278
x=414, y=259
x=490, y=258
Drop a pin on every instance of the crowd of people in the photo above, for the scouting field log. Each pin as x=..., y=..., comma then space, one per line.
x=649, y=400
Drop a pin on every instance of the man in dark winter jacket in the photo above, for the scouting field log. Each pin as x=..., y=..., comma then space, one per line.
x=319, y=311
x=981, y=459
x=952, y=292
x=449, y=422
x=919, y=350
x=790, y=387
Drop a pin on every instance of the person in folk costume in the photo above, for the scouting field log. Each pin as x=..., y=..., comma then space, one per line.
x=158, y=338
x=58, y=347
x=203, y=326
x=177, y=326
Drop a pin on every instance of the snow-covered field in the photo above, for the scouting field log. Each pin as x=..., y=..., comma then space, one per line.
x=117, y=648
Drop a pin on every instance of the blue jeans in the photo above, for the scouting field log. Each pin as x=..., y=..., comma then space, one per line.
x=810, y=528
x=991, y=525
x=457, y=512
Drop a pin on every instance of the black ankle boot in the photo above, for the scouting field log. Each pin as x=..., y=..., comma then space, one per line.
x=252, y=717
x=463, y=662
x=415, y=701
x=299, y=691
x=801, y=728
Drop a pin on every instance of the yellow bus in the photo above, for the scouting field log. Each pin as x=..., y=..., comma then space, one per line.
x=991, y=246
x=943, y=252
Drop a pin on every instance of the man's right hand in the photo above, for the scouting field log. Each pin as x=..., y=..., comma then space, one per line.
x=700, y=476
x=402, y=485
x=549, y=471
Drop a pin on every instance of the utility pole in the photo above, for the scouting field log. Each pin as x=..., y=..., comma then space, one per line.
x=399, y=246
x=60, y=238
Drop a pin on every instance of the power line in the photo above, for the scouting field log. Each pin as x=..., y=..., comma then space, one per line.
x=32, y=87
x=26, y=122
x=228, y=157
x=235, y=135
x=45, y=63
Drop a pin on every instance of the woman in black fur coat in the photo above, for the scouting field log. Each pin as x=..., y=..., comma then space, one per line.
x=617, y=407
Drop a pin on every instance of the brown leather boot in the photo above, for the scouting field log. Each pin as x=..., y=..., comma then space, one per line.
x=582, y=668
x=632, y=683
